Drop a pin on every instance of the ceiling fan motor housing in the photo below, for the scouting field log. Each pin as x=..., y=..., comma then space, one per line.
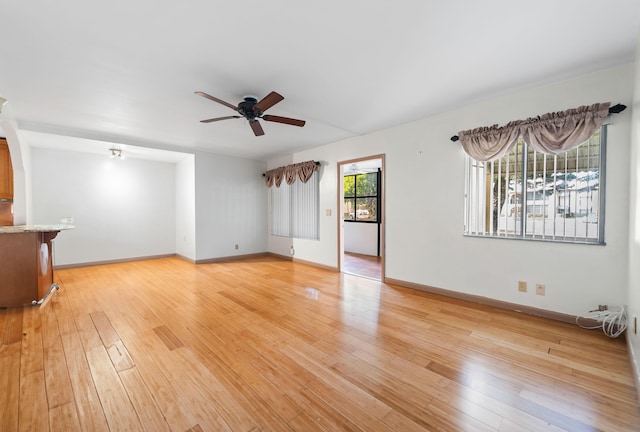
x=246, y=108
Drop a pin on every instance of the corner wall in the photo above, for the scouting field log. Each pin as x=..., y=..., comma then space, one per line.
x=231, y=206
x=186, y=209
x=21, y=161
x=634, y=225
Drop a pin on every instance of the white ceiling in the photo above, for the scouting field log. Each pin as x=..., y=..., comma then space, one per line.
x=126, y=71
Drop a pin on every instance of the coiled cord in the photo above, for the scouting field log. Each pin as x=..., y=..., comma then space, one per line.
x=613, y=321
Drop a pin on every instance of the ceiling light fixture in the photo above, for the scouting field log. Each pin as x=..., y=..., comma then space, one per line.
x=116, y=153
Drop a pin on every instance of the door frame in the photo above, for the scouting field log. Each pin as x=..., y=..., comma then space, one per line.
x=340, y=166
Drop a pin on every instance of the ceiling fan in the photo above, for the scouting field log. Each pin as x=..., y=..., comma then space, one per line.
x=252, y=110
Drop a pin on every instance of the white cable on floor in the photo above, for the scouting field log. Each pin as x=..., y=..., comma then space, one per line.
x=613, y=320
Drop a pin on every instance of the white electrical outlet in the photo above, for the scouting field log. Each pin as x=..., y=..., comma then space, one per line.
x=522, y=286
x=540, y=290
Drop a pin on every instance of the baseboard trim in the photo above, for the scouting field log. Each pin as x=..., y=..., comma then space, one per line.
x=187, y=259
x=230, y=258
x=182, y=257
x=633, y=360
x=283, y=257
x=300, y=261
x=557, y=316
x=314, y=264
x=114, y=261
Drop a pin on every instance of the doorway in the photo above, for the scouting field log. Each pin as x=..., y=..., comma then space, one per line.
x=361, y=217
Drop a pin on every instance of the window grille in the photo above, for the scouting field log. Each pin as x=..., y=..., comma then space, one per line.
x=361, y=197
x=530, y=195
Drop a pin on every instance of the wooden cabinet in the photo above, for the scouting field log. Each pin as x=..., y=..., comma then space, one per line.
x=26, y=267
x=6, y=171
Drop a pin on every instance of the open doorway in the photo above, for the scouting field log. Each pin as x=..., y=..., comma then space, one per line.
x=361, y=217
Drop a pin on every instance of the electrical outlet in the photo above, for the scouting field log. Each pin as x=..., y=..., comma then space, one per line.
x=237, y=247
x=522, y=286
x=540, y=289
x=328, y=212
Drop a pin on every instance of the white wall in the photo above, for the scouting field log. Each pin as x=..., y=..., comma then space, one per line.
x=122, y=209
x=634, y=225
x=424, y=241
x=361, y=238
x=186, y=208
x=231, y=205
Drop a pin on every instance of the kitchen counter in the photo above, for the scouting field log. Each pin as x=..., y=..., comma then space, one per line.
x=26, y=264
x=33, y=228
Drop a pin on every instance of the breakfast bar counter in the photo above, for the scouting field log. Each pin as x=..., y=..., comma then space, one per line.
x=26, y=264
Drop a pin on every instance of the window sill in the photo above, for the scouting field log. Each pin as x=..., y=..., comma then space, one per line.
x=539, y=239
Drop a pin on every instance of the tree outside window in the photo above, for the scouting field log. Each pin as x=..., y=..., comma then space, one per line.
x=361, y=197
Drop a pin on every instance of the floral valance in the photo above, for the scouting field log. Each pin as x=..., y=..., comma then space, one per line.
x=302, y=170
x=551, y=133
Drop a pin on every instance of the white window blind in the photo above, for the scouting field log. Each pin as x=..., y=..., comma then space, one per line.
x=294, y=209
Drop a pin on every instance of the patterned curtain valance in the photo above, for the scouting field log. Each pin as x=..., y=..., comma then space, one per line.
x=551, y=133
x=302, y=170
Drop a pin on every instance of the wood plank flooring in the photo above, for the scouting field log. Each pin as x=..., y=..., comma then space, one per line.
x=270, y=345
x=362, y=265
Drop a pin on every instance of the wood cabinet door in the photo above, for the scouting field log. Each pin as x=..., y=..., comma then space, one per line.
x=6, y=171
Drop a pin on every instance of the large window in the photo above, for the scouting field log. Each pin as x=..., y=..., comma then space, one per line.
x=361, y=197
x=294, y=209
x=530, y=195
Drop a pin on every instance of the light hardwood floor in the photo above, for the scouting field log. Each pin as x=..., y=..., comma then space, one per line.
x=362, y=265
x=270, y=345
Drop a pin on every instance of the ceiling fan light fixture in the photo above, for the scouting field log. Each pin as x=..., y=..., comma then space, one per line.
x=116, y=153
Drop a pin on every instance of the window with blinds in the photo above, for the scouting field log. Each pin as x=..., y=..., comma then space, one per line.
x=294, y=209
x=530, y=195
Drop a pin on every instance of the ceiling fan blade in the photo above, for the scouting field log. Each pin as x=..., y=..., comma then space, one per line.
x=257, y=128
x=268, y=101
x=219, y=118
x=215, y=99
x=285, y=120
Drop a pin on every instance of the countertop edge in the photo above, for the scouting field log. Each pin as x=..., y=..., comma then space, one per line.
x=17, y=229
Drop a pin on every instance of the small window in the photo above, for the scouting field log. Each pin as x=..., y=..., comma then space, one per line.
x=361, y=197
x=531, y=195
